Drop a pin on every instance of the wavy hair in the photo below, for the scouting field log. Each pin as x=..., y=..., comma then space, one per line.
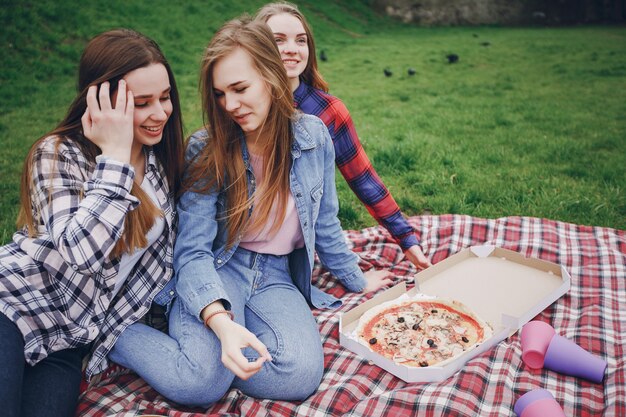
x=109, y=57
x=220, y=164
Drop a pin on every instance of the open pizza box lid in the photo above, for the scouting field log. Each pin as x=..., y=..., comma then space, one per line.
x=501, y=286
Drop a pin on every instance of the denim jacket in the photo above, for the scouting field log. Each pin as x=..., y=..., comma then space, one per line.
x=200, y=250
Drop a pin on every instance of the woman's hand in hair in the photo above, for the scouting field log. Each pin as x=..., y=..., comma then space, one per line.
x=377, y=280
x=108, y=127
x=235, y=337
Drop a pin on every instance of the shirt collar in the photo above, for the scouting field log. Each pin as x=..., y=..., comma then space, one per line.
x=244, y=150
x=151, y=161
x=303, y=140
x=299, y=93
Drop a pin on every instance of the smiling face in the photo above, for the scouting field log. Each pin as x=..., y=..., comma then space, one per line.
x=241, y=91
x=292, y=42
x=151, y=91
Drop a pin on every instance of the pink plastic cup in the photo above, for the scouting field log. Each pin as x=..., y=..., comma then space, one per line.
x=565, y=356
x=538, y=403
x=535, y=336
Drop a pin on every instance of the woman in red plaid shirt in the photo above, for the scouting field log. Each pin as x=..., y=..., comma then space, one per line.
x=297, y=47
x=98, y=226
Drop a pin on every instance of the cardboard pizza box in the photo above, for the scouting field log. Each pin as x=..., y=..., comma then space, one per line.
x=501, y=286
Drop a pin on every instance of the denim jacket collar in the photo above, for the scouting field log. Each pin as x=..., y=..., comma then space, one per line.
x=302, y=142
x=244, y=152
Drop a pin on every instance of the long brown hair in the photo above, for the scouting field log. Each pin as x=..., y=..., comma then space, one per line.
x=220, y=164
x=108, y=57
x=311, y=74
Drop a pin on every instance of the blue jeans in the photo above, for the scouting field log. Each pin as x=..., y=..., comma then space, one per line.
x=186, y=366
x=49, y=388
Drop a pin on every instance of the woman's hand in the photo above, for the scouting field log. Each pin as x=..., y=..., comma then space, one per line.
x=377, y=280
x=110, y=128
x=417, y=257
x=235, y=337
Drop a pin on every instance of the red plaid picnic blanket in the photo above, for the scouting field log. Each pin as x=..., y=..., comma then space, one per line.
x=592, y=313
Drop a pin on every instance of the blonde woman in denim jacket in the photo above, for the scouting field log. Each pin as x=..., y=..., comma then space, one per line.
x=260, y=199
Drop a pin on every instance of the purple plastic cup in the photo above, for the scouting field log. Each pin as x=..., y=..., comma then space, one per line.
x=565, y=356
x=535, y=337
x=538, y=403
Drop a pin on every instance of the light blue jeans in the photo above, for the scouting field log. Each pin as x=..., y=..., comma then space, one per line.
x=186, y=366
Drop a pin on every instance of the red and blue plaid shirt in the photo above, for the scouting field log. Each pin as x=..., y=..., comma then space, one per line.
x=353, y=162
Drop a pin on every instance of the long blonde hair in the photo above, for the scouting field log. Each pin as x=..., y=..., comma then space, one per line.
x=311, y=74
x=108, y=57
x=220, y=165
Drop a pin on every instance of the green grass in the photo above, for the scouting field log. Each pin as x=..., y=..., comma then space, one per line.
x=533, y=124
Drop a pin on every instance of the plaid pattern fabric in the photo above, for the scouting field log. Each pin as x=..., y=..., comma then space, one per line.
x=57, y=286
x=353, y=162
x=591, y=314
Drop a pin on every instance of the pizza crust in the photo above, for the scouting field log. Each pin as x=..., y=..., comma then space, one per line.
x=413, y=333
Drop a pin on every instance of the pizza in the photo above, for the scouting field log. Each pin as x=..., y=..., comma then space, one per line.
x=421, y=332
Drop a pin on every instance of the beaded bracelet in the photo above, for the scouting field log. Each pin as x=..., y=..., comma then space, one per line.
x=215, y=313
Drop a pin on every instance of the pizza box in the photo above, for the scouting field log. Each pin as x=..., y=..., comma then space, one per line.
x=501, y=286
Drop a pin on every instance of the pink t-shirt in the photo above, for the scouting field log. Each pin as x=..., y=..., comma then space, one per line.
x=287, y=238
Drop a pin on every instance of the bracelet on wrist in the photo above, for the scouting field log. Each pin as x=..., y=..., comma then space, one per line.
x=215, y=313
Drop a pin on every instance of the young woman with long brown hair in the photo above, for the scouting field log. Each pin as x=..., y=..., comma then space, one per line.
x=295, y=41
x=94, y=248
x=259, y=199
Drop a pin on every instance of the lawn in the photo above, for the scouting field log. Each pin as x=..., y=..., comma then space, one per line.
x=529, y=121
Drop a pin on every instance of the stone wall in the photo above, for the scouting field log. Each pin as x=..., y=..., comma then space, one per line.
x=506, y=12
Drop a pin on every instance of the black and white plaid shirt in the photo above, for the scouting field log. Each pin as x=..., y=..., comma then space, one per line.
x=57, y=286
